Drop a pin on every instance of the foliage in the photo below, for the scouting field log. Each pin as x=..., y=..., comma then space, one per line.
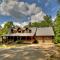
x=8, y=24
x=46, y=23
x=3, y=31
x=6, y=28
x=35, y=42
x=39, y=24
x=19, y=41
x=57, y=28
x=48, y=20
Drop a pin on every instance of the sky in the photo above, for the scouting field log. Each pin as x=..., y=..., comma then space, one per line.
x=27, y=10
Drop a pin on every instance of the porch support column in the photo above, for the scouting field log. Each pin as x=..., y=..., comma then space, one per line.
x=20, y=37
x=31, y=37
x=13, y=38
x=6, y=39
x=16, y=38
x=26, y=37
x=10, y=38
x=2, y=39
x=43, y=39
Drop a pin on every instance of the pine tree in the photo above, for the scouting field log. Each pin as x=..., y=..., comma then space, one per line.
x=57, y=28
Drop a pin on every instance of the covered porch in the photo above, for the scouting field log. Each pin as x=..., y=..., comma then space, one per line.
x=15, y=37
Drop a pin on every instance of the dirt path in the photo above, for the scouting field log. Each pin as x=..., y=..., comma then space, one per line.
x=27, y=53
x=31, y=52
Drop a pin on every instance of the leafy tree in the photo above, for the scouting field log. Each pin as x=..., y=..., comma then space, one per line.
x=40, y=24
x=8, y=24
x=35, y=24
x=57, y=28
x=46, y=23
x=48, y=20
x=6, y=28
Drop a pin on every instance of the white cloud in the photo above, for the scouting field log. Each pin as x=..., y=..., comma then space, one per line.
x=20, y=24
x=3, y=24
x=38, y=17
x=24, y=24
x=21, y=7
x=16, y=24
x=53, y=18
x=18, y=9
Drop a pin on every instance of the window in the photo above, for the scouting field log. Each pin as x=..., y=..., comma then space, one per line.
x=12, y=31
x=30, y=31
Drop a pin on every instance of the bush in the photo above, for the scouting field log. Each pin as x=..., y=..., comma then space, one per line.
x=19, y=41
x=57, y=40
x=35, y=42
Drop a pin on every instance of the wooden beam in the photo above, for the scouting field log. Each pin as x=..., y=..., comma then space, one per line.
x=43, y=38
x=26, y=37
x=2, y=39
x=6, y=39
x=13, y=38
x=20, y=37
x=31, y=37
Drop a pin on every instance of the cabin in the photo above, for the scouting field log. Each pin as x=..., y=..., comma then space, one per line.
x=45, y=34
x=29, y=35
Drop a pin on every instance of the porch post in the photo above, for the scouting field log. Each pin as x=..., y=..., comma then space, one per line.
x=26, y=37
x=16, y=38
x=20, y=37
x=43, y=39
x=13, y=38
x=6, y=39
x=2, y=39
x=31, y=37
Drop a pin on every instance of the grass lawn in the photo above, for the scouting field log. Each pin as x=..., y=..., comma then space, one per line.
x=58, y=45
x=12, y=46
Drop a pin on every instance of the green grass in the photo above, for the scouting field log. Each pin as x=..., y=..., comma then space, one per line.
x=58, y=45
x=12, y=46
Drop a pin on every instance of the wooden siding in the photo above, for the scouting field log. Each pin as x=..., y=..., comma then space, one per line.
x=43, y=39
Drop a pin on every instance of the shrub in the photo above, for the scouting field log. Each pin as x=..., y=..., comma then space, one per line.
x=57, y=40
x=35, y=42
x=19, y=41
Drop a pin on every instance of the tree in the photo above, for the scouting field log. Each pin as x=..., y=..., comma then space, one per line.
x=40, y=24
x=57, y=28
x=8, y=24
x=46, y=23
x=6, y=28
x=48, y=20
x=35, y=24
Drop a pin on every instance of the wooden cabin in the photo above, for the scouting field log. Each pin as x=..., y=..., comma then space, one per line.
x=42, y=35
x=45, y=34
x=27, y=35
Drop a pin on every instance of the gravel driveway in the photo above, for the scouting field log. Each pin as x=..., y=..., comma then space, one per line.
x=27, y=53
